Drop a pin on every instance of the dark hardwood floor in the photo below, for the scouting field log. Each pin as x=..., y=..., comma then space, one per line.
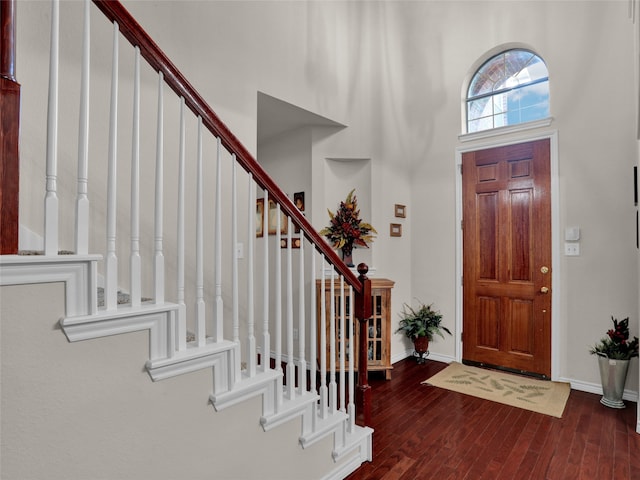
x=424, y=432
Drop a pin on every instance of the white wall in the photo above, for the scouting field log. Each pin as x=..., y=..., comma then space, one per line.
x=393, y=72
x=596, y=154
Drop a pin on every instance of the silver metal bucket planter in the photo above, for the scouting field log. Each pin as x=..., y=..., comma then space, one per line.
x=613, y=374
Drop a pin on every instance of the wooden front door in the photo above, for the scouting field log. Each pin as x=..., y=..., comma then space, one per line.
x=507, y=257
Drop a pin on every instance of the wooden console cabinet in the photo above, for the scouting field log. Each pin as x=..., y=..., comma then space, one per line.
x=379, y=331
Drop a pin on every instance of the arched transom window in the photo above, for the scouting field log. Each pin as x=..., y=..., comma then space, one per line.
x=510, y=88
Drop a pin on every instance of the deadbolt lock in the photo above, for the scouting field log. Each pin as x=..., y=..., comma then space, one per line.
x=544, y=269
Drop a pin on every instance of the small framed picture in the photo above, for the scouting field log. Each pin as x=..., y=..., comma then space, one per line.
x=395, y=230
x=400, y=211
x=298, y=199
x=295, y=242
x=259, y=217
x=273, y=219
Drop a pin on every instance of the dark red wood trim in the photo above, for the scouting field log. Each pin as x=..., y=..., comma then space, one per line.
x=9, y=166
x=9, y=128
x=363, y=313
x=137, y=36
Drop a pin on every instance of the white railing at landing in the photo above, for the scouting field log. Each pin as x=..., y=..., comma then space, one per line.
x=221, y=291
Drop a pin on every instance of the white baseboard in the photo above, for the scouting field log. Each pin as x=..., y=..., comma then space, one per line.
x=436, y=357
x=596, y=388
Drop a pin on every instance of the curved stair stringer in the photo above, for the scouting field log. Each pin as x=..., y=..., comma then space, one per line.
x=84, y=321
x=348, y=439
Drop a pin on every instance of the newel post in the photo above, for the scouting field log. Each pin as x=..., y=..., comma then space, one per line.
x=9, y=128
x=363, y=313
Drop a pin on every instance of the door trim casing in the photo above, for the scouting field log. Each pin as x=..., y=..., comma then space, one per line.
x=556, y=340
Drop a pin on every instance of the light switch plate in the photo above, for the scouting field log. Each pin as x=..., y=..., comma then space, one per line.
x=572, y=234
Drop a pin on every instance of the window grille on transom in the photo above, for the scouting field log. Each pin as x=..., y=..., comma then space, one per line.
x=509, y=88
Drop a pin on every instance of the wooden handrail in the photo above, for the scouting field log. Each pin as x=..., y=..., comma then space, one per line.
x=361, y=285
x=9, y=129
x=137, y=36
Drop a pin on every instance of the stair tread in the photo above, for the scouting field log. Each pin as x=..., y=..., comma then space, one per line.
x=192, y=352
x=124, y=311
x=124, y=298
x=289, y=409
x=323, y=427
x=41, y=252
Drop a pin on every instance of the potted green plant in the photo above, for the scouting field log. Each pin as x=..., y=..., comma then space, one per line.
x=420, y=325
x=347, y=230
x=614, y=353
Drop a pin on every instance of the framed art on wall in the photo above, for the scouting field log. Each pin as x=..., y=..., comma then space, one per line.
x=395, y=230
x=260, y=217
x=295, y=242
x=273, y=219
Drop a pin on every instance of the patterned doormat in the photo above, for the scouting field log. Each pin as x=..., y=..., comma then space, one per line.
x=539, y=396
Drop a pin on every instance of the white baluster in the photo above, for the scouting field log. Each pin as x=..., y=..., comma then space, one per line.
x=111, y=261
x=278, y=307
x=352, y=405
x=266, y=338
x=251, y=229
x=324, y=395
x=234, y=267
x=51, y=196
x=158, y=291
x=200, y=305
x=342, y=345
x=313, y=335
x=219, y=305
x=82, y=200
x=234, y=251
x=333, y=397
x=182, y=308
x=302, y=364
x=135, y=262
x=291, y=368
x=313, y=321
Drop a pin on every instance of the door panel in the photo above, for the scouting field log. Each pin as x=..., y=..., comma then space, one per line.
x=506, y=242
x=488, y=326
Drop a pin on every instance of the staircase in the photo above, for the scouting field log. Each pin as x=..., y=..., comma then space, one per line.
x=182, y=237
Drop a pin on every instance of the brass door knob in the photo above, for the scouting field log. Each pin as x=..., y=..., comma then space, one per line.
x=544, y=290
